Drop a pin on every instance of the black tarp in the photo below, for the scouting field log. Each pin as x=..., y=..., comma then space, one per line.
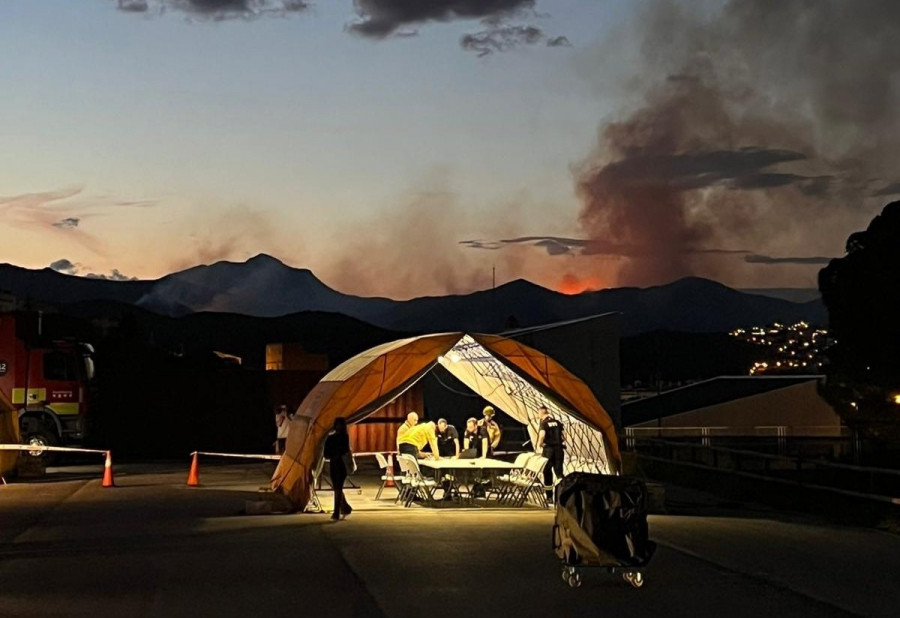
x=608, y=512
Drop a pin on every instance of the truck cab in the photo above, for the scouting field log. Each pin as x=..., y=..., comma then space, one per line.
x=48, y=381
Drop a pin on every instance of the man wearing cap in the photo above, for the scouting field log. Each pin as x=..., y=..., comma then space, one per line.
x=493, y=429
x=550, y=444
x=413, y=440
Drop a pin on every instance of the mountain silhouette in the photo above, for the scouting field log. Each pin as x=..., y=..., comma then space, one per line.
x=264, y=286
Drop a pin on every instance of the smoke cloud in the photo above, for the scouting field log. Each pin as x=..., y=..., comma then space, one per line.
x=759, y=121
x=236, y=232
x=410, y=250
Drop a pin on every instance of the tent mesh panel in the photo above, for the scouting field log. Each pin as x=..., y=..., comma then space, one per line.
x=585, y=450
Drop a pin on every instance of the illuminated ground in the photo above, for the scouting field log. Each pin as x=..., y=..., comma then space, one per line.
x=153, y=547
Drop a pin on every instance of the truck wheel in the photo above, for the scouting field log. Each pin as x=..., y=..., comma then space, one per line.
x=42, y=437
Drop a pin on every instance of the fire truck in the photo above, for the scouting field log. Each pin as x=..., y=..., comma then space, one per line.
x=47, y=380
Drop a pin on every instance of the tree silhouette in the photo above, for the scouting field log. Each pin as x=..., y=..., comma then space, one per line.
x=862, y=294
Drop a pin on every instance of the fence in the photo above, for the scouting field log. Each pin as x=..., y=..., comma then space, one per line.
x=880, y=484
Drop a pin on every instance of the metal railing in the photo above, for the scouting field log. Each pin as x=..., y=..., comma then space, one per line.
x=880, y=484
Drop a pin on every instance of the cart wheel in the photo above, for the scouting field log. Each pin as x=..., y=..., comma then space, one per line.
x=574, y=580
x=565, y=574
x=636, y=579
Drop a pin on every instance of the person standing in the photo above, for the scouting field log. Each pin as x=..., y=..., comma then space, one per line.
x=283, y=423
x=475, y=440
x=412, y=419
x=415, y=439
x=337, y=451
x=491, y=428
x=550, y=443
x=448, y=439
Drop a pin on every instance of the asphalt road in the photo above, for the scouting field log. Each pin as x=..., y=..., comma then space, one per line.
x=153, y=547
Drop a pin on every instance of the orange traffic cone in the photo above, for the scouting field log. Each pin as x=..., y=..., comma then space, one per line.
x=107, y=472
x=390, y=472
x=194, y=474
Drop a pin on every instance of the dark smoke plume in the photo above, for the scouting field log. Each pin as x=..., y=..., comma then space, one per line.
x=761, y=125
x=382, y=18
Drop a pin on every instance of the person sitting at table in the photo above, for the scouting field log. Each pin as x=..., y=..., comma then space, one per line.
x=448, y=439
x=492, y=428
x=475, y=440
x=414, y=439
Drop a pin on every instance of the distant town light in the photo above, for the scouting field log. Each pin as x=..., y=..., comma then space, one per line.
x=897, y=399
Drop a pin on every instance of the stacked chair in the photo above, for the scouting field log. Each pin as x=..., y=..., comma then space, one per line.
x=528, y=483
x=506, y=482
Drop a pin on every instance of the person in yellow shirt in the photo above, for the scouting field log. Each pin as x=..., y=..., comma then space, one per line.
x=412, y=419
x=414, y=439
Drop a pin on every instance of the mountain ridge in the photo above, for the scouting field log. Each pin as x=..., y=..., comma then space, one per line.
x=265, y=287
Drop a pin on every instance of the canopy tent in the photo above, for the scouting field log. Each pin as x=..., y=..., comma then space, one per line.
x=9, y=434
x=511, y=376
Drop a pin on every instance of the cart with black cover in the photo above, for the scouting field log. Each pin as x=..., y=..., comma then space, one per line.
x=601, y=522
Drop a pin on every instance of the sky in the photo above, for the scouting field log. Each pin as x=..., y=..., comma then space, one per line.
x=413, y=147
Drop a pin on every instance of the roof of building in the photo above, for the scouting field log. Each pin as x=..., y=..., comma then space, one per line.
x=534, y=329
x=705, y=394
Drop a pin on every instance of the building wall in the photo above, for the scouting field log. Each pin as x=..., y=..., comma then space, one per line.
x=590, y=350
x=799, y=407
x=292, y=357
x=378, y=432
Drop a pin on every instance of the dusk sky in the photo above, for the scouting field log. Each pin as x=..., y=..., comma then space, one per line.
x=404, y=147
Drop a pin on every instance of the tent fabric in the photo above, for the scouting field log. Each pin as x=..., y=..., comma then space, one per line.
x=9, y=434
x=354, y=389
x=515, y=378
x=521, y=389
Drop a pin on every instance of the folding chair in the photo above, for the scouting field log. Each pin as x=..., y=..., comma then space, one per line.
x=387, y=476
x=529, y=481
x=419, y=485
x=405, y=485
x=505, y=481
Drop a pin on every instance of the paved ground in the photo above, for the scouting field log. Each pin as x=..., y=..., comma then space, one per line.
x=153, y=547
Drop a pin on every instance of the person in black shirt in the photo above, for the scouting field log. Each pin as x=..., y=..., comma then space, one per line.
x=337, y=445
x=475, y=440
x=550, y=444
x=448, y=439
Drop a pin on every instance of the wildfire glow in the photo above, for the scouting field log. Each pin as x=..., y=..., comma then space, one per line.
x=572, y=284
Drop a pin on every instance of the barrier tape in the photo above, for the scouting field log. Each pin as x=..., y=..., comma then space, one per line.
x=40, y=449
x=237, y=455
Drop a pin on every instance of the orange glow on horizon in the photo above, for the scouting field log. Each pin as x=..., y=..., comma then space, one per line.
x=572, y=284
